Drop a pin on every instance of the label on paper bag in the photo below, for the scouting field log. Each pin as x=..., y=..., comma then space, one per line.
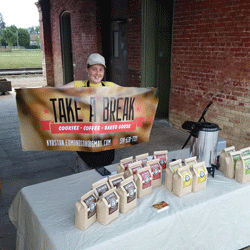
x=245, y=153
x=202, y=175
x=102, y=189
x=247, y=166
x=144, y=162
x=112, y=201
x=190, y=164
x=134, y=170
x=131, y=191
x=156, y=169
x=163, y=160
x=187, y=178
x=236, y=158
x=91, y=204
x=116, y=183
x=146, y=179
x=126, y=165
x=175, y=168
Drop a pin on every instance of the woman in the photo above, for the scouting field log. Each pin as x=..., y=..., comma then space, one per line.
x=96, y=69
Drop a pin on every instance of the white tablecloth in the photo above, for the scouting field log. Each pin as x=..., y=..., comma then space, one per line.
x=216, y=218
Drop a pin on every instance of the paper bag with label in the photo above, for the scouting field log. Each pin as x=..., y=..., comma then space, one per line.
x=231, y=160
x=100, y=187
x=123, y=165
x=190, y=162
x=163, y=157
x=143, y=158
x=132, y=169
x=225, y=152
x=156, y=171
x=127, y=192
x=170, y=170
x=245, y=151
x=242, y=170
x=108, y=207
x=182, y=181
x=116, y=179
x=199, y=172
x=143, y=181
x=85, y=212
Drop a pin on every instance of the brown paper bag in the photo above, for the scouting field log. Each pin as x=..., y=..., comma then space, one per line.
x=156, y=171
x=190, y=162
x=127, y=192
x=100, y=187
x=123, y=165
x=182, y=181
x=225, y=152
x=143, y=158
x=108, y=207
x=242, y=170
x=85, y=212
x=143, y=181
x=245, y=151
x=231, y=160
x=199, y=173
x=132, y=168
x=170, y=170
x=115, y=180
x=163, y=157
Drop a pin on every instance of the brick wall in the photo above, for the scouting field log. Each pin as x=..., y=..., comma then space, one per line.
x=134, y=43
x=211, y=63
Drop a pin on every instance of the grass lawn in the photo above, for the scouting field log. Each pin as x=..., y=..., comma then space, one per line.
x=21, y=59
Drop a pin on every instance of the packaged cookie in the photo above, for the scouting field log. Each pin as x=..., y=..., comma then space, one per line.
x=245, y=151
x=108, y=207
x=230, y=164
x=182, y=181
x=190, y=162
x=100, y=187
x=85, y=212
x=115, y=180
x=143, y=181
x=225, y=152
x=123, y=165
x=127, y=192
x=242, y=170
x=143, y=158
x=170, y=170
x=156, y=171
x=132, y=168
x=163, y=157
x=199, y=173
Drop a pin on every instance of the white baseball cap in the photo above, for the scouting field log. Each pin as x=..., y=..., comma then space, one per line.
x=96, y=58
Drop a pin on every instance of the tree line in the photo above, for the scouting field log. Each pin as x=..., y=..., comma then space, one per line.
x=12, y=36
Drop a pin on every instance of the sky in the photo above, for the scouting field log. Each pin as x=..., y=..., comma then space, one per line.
x=21, y=13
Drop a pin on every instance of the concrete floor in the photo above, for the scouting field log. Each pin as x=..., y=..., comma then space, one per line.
x=21, y=168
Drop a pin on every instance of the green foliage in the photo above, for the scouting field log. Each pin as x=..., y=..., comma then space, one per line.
x=34, y=30
x=2, y=23
x=9, y=36
x=23, y=37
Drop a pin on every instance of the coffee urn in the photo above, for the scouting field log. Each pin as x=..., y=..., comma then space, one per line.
x=204, y=142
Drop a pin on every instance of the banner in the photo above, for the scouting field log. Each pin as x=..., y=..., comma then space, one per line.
x=85, y=119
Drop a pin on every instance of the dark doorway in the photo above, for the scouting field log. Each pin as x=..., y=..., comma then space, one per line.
x=157, y=22
x=65, y=25
x=119, y=46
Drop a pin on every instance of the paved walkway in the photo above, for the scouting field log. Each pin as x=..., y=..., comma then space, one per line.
x=21, y=168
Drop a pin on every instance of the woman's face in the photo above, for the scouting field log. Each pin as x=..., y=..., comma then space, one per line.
x=96, y=73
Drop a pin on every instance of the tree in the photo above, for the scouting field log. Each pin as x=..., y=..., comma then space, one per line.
x=23, y=37
x=34, y=30
x=9, y=36
x=2, y=23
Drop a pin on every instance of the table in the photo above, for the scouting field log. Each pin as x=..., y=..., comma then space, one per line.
x=215, y=218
